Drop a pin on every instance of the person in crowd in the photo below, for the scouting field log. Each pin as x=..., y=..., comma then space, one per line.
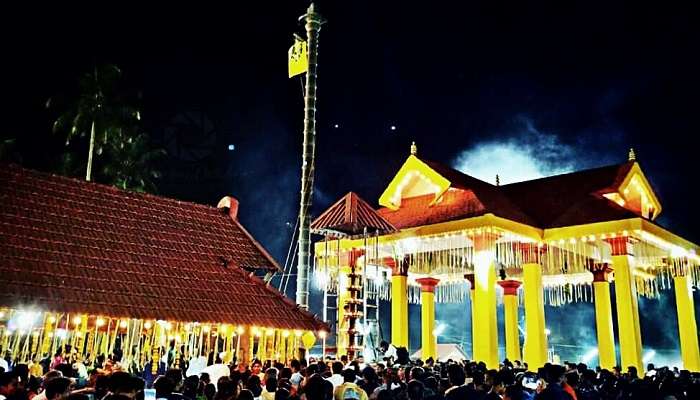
x=58, y=389
x=268, y=392
x=8, y=385
x=254, y=385
x=554, y=377
x=336, y=378
x=349, y=390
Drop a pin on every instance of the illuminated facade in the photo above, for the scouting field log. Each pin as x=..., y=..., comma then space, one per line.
x=441, y=235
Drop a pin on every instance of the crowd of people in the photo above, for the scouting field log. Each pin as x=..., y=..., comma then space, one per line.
x=347, y=380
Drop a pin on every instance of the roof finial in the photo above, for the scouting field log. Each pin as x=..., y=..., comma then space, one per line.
x=498, y=180
x=414, y=149
x=631, y=156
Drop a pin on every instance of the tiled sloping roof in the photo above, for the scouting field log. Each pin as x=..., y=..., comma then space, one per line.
x=467, y=197
x=350, y=216
x=417, y=211
x=571, y=199
x=489, y=195
x=72, y=246
x=555, y=201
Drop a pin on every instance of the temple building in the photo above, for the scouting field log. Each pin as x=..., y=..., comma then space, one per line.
x=440, y=236
x=90, y=270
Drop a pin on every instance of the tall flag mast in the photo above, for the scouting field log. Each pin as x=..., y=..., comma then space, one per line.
x=297, y=62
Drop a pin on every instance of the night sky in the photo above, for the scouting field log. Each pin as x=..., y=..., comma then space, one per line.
x=487, y=87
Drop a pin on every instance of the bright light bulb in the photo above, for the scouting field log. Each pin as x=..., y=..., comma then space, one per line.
x=123, y=324
x=147, y=325
x=297, y=333
x=322, y=334
x=270, y=331
x=205, y=328
x=52, y=320
x=99, y=322
x=77, y=320
x=240, y=330
x=285, y=333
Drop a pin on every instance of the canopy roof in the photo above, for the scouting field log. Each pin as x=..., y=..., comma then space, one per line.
x=73, y=246
x=351, y=216
x=426, y=192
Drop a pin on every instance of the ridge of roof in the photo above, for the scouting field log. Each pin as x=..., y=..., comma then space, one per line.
x=616, y=167
x=489, y=195
x=350, y=215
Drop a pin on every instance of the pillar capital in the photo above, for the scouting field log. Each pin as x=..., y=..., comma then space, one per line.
x=601, y=272
x=400, y=267
x=621, y=245
x=510, y=287
x=427, y=284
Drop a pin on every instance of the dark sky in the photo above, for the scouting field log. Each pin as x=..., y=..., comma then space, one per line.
x=586, y=81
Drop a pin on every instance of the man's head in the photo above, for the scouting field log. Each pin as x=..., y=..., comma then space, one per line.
x=415, y=390
x=456, y=375
x=314, y=388
x=164, y=387
x=384, y=345
x=497, y=384
x=256, y=367
x=349, y=375
x=337, y=367
x=554, y=374
x=632, y=371
x=58, y=389
x=175, y=375
x=296, y=365
x=8, y=384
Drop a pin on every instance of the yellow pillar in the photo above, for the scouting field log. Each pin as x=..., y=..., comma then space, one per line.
x=470, y=278
x=687, y=328
x=399, y=310
x=343, y=296
x=603, y=317
x=484, y=326
x=627, y=313
x=510, y=308
x=428, y=339
x=535, y=347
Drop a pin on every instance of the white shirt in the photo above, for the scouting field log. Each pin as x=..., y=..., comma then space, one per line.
x=336, y=380
x=390, y=352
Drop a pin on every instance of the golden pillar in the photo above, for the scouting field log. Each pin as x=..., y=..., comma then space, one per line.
x=470, y=278
x=428, y=339
x=687, y=327
x=399, y=304
x=510, y=308
x=535, y=346
x=630, y=337
x=484, y=326
x=343, y=296
x=603, y=317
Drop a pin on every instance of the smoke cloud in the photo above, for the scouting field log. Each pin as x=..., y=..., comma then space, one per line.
x=527, y=153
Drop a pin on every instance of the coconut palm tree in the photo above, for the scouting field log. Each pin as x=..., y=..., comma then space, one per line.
x=129, y=163
x=99, y=110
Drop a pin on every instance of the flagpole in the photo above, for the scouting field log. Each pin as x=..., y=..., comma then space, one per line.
x=313, y=26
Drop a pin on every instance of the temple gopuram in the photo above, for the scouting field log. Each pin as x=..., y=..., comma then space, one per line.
x=440, y=236
x=89, y=271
